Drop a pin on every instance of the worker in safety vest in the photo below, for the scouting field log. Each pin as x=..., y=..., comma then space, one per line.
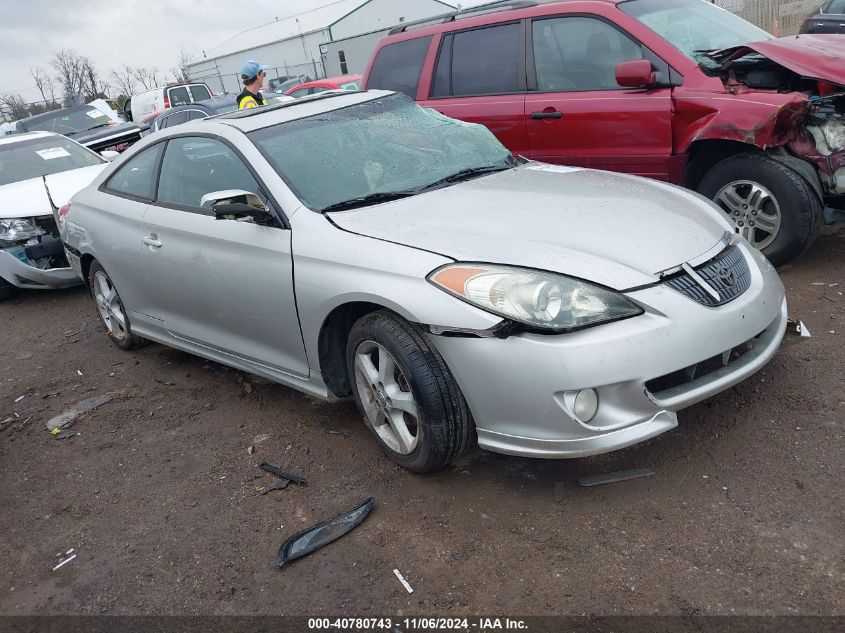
x=253, y=75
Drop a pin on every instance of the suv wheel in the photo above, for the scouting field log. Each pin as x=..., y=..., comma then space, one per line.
x=769, y=204
x=110, y=308
x=7, y=290
x=405, y=392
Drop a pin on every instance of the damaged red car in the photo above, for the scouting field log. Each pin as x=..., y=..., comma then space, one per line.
x=678, y=90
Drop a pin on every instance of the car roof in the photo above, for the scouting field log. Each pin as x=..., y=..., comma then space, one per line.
x=266, y=116
x=53, y=113
x=24, y=136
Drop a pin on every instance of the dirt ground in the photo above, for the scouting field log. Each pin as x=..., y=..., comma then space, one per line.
x=161, y=501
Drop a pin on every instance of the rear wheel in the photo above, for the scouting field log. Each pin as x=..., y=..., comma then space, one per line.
x=768, y=203
x=110, y=308
x=406, y=393
x=7, y=290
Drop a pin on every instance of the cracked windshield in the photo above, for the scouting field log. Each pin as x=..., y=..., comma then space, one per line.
x=376, y=151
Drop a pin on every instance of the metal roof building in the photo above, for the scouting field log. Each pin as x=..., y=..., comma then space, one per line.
x=291, y=46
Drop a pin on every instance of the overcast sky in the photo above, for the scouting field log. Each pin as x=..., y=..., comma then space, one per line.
x=117, y=32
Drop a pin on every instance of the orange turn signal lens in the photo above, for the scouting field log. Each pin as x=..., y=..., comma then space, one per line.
x=455, y=278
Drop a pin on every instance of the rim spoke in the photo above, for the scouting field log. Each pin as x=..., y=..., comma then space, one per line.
x=731, y=198
x=380, y=419
x=118, y=319
x=386, y=367
x=365, y=365
x=102, y=287
x=757, y=198
x=404, y=401
x=765, y=223
x=400, y=430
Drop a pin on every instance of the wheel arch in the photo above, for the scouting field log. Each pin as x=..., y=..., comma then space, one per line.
x=706, y=154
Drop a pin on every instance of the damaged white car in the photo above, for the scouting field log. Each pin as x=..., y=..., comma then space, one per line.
x=34, y=167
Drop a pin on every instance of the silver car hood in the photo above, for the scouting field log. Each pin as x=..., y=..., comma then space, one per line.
x=28, y=198
x=609, y=228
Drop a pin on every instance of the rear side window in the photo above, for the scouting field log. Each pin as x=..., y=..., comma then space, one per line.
x=178, y=96
x=137, y=178
x=196, y=114
x=481, y=62
x=199, y=93
x=835, y=6
x=174, y=119
x=300, y=93
x=398, y=66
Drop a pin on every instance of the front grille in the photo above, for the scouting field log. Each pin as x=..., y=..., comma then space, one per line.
x=701, y=369
x=728, y=274
x=116, y=144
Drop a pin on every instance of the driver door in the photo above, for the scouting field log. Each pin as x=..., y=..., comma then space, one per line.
x=220, y=284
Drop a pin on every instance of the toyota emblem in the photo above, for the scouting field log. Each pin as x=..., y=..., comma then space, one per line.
x=727, y=277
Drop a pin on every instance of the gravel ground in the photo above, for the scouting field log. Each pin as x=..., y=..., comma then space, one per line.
x=157, y=493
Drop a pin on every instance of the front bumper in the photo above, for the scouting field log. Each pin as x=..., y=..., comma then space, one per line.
x=521, y=389
x=22, y=275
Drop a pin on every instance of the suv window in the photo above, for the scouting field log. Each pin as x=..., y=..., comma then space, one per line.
x=579, y=53
x=479, y=62
x=137, y=178
x=199, y=93
x=195, y=166
x=174, y=119
x=398, y=66
x=301, y=93
x=196, y=114
x=178, y=96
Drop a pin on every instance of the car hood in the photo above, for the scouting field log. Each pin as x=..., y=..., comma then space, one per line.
x=28, y=198
x=812, y=56
x=609, y=228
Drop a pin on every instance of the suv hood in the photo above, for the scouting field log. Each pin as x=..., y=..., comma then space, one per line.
x=811, y=56
x=613, y=229
x=28, y=198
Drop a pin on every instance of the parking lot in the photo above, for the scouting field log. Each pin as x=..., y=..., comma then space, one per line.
x=158, y=496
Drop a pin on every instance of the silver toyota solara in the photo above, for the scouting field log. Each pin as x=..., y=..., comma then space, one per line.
x=358, y=245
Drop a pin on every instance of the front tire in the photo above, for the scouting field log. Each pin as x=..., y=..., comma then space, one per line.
x=406, y=393
x=7, y=290
x=769, y=204
x=110, y=308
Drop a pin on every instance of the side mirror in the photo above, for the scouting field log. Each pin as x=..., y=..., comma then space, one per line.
x=109, y=155
x=238, y=205
x=636, y=73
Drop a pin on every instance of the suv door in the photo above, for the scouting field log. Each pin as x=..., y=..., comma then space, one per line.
x=576, y=113
x=220, y=284
x=479, y=76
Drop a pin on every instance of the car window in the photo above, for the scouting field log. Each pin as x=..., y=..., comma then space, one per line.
x=68, y=122
x=318, y=89
x=177, y=118
x=397, y=66
x=137, y=177
x=579, y=53
x=193, y=115
x=300, y=93
x=483, y=61
x=195, y=166
x=349, y=85
x=42, y=156
x=199, y=93
x=178, y=96
x=835, y=6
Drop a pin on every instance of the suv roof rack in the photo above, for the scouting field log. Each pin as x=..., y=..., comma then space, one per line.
x=502, y=5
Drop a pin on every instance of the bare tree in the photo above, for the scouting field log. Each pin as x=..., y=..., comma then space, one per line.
x=13, y=107
x=180, y=71
x=70, y=71
x=147, y=77
x=89, y=79
x=124, y=80
x=45, y=85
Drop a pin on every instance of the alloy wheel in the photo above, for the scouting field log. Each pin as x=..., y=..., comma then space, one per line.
x=386, y=396
x=753, y=210
x=109, y=306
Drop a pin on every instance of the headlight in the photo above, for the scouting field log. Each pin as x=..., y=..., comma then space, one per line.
x=13, y=230
x=540, y=299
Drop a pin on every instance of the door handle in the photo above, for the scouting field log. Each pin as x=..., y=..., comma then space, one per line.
x=152, y=240
x=547, y=115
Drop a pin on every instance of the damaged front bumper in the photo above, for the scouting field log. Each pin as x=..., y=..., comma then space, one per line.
x=522, y=390
x=17, y=269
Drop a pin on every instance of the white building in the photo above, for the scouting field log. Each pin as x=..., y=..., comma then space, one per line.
x=291, y=46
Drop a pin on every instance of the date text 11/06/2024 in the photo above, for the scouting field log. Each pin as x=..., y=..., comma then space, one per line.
x=479, y=624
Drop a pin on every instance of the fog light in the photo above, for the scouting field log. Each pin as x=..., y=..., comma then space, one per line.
x=586, y=404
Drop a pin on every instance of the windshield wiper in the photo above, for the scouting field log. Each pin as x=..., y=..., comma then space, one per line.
x=464, y=174
x=372, y=198
x=97, y=127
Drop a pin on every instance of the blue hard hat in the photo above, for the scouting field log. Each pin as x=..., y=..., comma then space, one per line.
x=251, y=68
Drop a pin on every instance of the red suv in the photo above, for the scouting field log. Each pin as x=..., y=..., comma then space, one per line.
x=678, y=90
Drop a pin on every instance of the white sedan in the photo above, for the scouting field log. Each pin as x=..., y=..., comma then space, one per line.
x=34, y=168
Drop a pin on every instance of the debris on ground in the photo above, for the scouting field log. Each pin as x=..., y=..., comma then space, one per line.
x=612, y=478
x=320, y=535
x=260, y=438
x=250, y=450
x=62, y=435
x=67, y=418
x=79, y=372
x=19, y=398
x=403, y=581
x=278, y=472
x=164, y=381
x=70, y=554
x=559, y=491
x=324, y=426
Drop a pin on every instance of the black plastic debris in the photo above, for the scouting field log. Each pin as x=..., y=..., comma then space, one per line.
x=612, y=478
x=313, y=538
x=278, y=472
x=328, y=430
